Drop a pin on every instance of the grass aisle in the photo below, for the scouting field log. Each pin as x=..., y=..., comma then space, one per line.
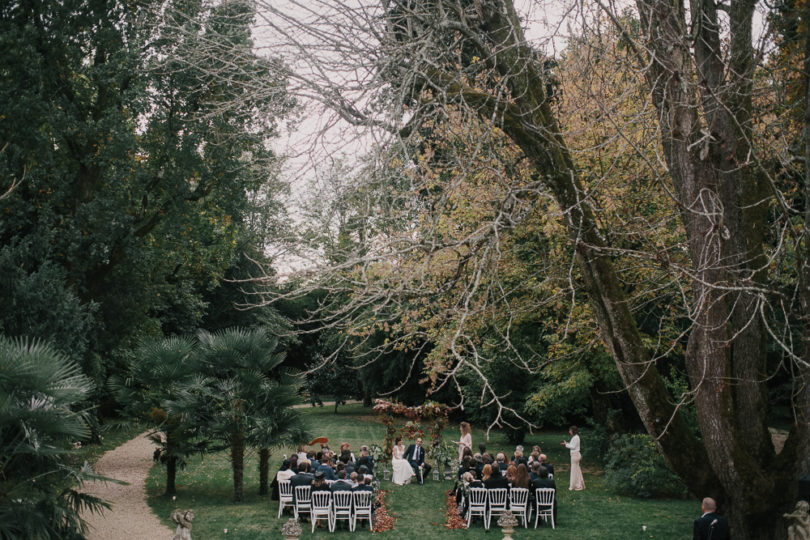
x=206, y=486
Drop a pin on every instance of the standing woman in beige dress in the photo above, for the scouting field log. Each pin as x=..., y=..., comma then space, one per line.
x=577, y=483
x=465, y=441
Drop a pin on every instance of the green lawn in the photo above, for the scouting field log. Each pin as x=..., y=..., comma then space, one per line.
x=205, y=486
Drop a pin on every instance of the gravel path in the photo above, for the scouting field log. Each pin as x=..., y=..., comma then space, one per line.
x=130, y=517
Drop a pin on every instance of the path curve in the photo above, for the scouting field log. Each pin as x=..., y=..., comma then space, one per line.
x=130, y=517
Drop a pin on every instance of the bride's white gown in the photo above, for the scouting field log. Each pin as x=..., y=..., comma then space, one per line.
x=402, y=469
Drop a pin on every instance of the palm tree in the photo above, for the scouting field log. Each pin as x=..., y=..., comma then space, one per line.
x=245, y=392
x=280, y=426
x=160, y=374
x=39, y=389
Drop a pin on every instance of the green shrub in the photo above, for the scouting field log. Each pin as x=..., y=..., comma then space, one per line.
x=634, y=467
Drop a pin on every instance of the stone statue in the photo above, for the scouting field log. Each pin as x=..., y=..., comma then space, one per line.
x=799, y=528
x=183, y=518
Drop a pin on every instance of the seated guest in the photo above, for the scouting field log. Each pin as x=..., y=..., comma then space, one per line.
x=365, y=459
x=348, y=463
x=534, y=474
x=363, y=473
x=302, y=478
x=544, y=482
x=415, y=455
x=365, y=485
x=353, y=479
x=313, y=463
x=501, y=461
x=518, y=448
x=294, y=463
x=302, y=452
x=521, y=479
x=465, y=466
x=511, y=472
x=482, y=448
x=496, y=480
x=534, y=458
x=319, y=482
x=346, y=449
x=327, y=470
x=544, y=462
x=285, y=472
x=519, y=458
x=486, y=472
x=342, y=484
x=478, y=465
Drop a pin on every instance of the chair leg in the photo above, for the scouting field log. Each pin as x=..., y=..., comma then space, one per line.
x=552, y=521
x=536, y=518
x=280, y=508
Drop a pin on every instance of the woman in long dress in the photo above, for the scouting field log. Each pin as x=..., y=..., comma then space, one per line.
x=465, y=441
x=577, y=482
x=402, y=469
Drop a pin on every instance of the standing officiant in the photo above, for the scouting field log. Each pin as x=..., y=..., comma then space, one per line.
x=415, y=455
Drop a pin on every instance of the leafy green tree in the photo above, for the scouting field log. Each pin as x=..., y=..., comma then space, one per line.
x=159, y=373
x=140, y=157
x=39, y=389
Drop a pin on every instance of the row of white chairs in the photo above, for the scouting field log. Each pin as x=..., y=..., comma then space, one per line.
x=493, y=502
x=348, y=505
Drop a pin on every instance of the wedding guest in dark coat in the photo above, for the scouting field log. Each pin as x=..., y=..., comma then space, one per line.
x=365, y=459
x=497, y=480
x=327, y=470
x=341, y=484
x=365, y=485
x=711, y=525
x=302, y=478
x=544, y=462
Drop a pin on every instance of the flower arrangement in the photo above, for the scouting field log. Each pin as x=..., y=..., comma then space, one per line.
x=453, y=519
x=437, y=415
x=383, y=521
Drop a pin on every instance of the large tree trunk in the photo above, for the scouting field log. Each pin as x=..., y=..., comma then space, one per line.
x=171, y=475
x=264, y=471
x=238, y=464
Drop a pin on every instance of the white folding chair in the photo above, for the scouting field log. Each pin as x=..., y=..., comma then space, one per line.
x=303, y=503
x=544, y=502
x=285, y=496
x=322, y=507
x=362, y=508
x=342, y=507
x=519, y=504
x=478, y=505
x=498, y=503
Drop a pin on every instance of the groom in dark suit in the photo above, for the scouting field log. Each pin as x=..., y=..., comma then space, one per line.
x=415, y=455
x=711, y=525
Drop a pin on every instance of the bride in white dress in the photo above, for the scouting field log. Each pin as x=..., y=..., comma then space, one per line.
x=402, y=469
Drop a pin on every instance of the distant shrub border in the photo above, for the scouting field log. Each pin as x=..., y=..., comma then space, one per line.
x=634, y=467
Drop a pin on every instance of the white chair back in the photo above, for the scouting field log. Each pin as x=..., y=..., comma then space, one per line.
x=322, y=507
x=519, y=503
x=321, y=500
x=285, y=495
x=362, y=508
x=544, y=502
x=477, y=505
x=302, y=500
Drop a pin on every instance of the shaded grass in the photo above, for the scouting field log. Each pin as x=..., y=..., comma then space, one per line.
x=206, y=486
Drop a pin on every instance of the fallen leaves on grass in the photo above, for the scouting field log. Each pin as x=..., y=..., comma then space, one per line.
x=383, y=521
x=454, y=519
